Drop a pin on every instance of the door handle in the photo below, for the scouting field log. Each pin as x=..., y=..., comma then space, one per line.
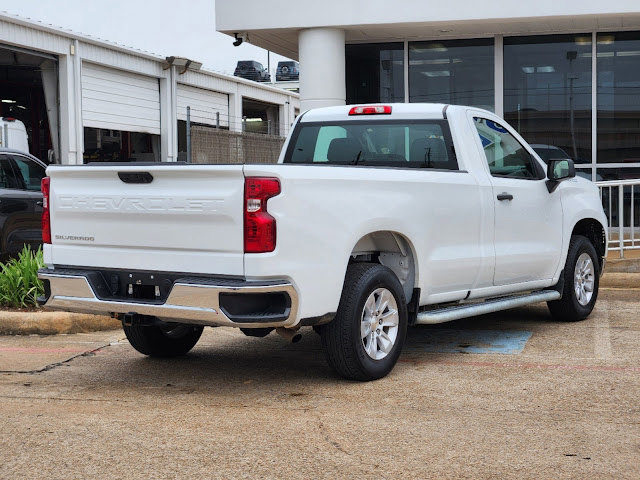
x=39, y=203
x=505, y=196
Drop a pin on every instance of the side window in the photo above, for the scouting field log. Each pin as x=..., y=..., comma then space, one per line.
x=505, y=155
x=8, y=178
x=31, y=172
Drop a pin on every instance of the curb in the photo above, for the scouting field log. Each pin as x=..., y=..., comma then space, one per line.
x=623, y=265
x=53, y=323
x=620, y=280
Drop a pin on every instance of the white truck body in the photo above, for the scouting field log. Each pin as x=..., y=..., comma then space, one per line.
x=13, y=134
x=442, y=232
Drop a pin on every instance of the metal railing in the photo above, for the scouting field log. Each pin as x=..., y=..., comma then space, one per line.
x=621, y=202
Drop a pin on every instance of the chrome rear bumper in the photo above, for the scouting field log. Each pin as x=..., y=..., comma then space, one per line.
x=193, y=301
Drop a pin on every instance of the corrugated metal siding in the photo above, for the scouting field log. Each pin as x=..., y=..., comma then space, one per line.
x=14, y=33
x=264, y=95
x=128, y=61
x=118, y=100
x=209, y=81
x=204, y=105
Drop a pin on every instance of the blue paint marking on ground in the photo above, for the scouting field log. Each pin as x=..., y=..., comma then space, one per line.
x=444, y=340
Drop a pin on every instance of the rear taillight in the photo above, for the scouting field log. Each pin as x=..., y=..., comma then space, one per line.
x=371, y=110
x=259, y=226
x=46, y=217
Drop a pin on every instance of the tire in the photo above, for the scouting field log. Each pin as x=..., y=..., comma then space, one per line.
x=581, y=282
x=350, y=344
x=172, y=340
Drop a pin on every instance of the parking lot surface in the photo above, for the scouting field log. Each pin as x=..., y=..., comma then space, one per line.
x=510, y=395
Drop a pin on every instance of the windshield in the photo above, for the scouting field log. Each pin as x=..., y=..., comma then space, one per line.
x=420, y=144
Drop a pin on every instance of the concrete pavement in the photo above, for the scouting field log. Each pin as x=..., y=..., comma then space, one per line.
x=565, y=406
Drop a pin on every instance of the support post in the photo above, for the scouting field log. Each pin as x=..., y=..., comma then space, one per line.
x=621, y=218
x=322, y=68
x=188, y=134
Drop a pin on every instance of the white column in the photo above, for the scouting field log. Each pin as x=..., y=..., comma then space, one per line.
x=169, y=118
x=322, y=68
x=77, y=73
x=235, y=111
x=71, y=131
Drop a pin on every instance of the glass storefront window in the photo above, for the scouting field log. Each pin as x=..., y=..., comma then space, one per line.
x=455, y=71
x=375, y=73
x=547, y=92
x=619, y=102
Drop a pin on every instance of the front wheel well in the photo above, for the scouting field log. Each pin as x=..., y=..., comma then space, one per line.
x=594, y=231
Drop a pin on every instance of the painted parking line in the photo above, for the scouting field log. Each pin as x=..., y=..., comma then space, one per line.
x=446, y=340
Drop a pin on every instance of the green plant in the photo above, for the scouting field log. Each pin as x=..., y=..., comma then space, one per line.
x=19, y=283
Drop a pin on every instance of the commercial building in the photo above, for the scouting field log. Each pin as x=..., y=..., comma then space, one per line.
x=565, y=74
x=84, y=99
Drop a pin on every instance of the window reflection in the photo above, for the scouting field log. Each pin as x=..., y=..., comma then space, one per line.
x=375, y=73
x=458, y=71
x=619, y=102
x=547, y=92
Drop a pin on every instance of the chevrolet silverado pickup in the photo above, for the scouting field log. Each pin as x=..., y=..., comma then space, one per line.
x=376, y=217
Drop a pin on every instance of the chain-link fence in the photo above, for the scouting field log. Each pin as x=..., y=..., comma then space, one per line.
x=211, y=145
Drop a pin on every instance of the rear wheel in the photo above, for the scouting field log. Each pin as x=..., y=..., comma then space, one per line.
x=171, y=340
x=581, y=282
x=364, y=340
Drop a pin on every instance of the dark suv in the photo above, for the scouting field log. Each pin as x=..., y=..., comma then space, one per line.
x=20, y=202
x=252, y=70
x=288, y=71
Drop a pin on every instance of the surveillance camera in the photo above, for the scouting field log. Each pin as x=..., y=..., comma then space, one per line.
x=240, y=37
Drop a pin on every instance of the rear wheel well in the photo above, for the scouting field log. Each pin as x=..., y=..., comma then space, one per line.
x=392, y=250
x=594, y=231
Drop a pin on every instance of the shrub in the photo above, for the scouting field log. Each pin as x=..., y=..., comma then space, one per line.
x=19, y=283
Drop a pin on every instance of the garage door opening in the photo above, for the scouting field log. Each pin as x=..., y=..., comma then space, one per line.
x=260, y=117
x=28, y=91
x=101, y=145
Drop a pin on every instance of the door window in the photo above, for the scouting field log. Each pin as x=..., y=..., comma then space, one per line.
x=8, y=178
x=505, y=155
x=31, y=173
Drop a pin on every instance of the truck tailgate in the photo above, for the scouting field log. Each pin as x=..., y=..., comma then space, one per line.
x=187, y=219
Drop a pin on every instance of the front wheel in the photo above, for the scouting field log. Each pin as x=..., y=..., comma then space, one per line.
x=581, y=282
x=171, y=340
x=364, y=340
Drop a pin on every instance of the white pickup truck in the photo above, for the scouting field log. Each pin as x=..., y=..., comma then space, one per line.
x=375, y=218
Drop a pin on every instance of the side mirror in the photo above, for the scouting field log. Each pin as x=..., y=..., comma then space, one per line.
x=559, y=170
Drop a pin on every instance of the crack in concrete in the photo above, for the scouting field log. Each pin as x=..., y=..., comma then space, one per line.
x=51, y=366
x=327, y=439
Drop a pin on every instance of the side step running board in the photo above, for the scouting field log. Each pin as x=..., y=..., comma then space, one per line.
x=463, y=311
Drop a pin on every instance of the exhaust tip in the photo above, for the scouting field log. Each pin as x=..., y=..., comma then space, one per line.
x=294, y=336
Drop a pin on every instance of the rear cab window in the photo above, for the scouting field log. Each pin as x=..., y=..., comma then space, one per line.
x=390, y=143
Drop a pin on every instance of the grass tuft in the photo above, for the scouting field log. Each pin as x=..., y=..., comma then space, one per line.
x=19, y=283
